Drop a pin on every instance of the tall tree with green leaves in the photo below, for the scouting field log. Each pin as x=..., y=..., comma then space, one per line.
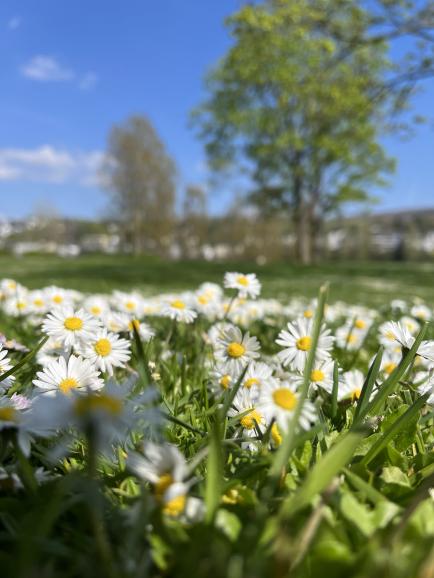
x=140, y=179
x=301, y=100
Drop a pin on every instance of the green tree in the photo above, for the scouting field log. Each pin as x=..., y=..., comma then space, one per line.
x=301, y=100
x=140, y=179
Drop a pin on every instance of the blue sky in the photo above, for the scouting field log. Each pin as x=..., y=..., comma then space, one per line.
x=70, y=69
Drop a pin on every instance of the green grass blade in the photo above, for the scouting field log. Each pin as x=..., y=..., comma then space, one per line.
x=368, y=386
x=397, y=426
x=24, y=361
x=214, y=475
x=323, y=472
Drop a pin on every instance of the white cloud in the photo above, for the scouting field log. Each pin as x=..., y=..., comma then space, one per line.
x=50, y=165
x=43, y=68
x=46, y=69
x=14, y=23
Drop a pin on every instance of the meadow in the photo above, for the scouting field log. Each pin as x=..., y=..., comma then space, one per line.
x=369, y=283
x=179, y=419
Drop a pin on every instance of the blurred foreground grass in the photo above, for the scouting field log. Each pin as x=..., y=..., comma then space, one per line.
x=370, y=283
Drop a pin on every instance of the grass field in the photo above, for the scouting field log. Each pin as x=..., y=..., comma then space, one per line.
x=372, y=283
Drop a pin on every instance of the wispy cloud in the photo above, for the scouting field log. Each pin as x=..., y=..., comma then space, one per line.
x=50, y=165
x=44, y=68
x=14, y=23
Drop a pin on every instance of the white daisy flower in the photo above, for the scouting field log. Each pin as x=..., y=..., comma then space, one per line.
x=257, y=375
x=38, y=302
x=57, y=296
x=63, y=376
x=250, y=418
x=178, y=309
x=107, y=350
x=347, y=337
x=71, y=327
x=320, y=376
x=393, y=333
x=221, y=379
x=297, y=342
x=350, y=385
x=236, y=350
x=96, y=305
x=246, y=285
x=421, y=312
x=131, y=303
x=5, y=365
x=278, y=400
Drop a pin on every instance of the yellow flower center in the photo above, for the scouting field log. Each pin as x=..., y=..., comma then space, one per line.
x=67, y=384
x=58, y=299
x=304, y=343
x=176, y=506
x=351, y=338
x=275, y=434
x=317, y=375
x=38, y=303
x=107, y=403
x=103, y=347
x=360, y=324
x=235, y=349
x=242, y=280
x=8, y=414
x=130, y=305
x=12, y=285
x=178, y=304
x=249, y=420
x=95, y=310
x=203, y=300
x=134, y=323
x=285, y=398
x=308, y=313
x=164, y=482
x=225, y=381
x=73, y=324
x=251, y=381
x=390, y=335
x=356, y=394
x=21, y=305
x=389, y=367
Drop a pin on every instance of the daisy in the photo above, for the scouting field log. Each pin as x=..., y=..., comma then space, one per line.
x=421, y=312
x=278, y=400
x=221, y=379
x=131, y=303
x=347, y=337
x=5, y=365
x=38, y=302
x=236, y=350
x=69, y=326
x=57, y=296
x=246, y=285
x=107, y=350
x=297, y=342
x=96, y=306
x=63, y=376
x=320, y=376
x=161, y=465
x=250, y=418
x=256, y=375
x=178, y=309
x=351, y=384
x=393, y=333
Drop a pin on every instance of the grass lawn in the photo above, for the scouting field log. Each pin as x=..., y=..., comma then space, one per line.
x=371, y=283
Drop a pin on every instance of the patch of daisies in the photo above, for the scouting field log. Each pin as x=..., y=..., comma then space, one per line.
x=87, y=382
